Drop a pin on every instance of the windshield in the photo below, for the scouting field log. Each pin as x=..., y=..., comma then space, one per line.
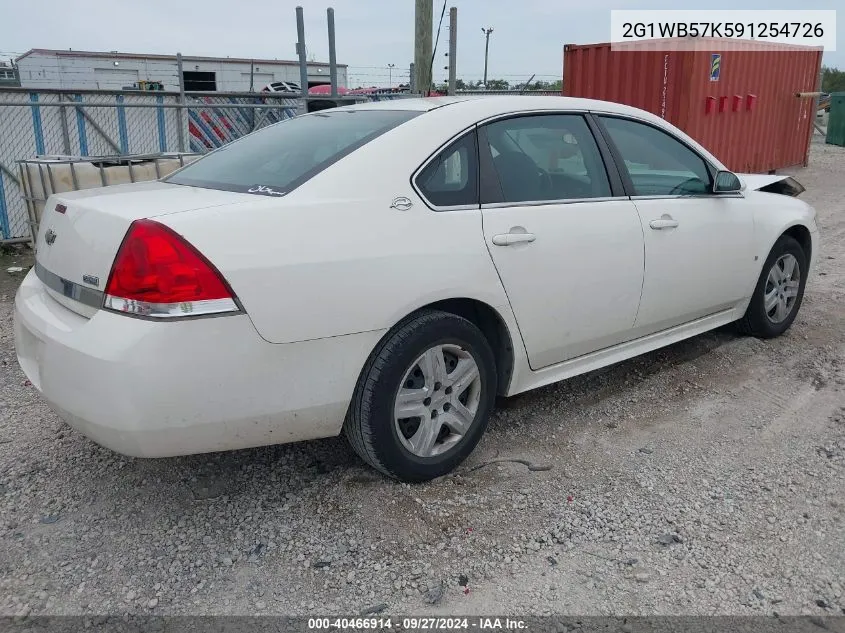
x=279, y=158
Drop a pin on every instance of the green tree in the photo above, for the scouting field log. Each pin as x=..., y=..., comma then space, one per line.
x=556, y=86
x=497, y=84
x=833, y=79
x=444, y=87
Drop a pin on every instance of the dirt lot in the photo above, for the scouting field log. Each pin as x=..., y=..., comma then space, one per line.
x=706, y=478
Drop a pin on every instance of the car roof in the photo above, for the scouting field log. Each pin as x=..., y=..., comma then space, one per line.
x=461, y=111
x=484, y=104
x=408, y=104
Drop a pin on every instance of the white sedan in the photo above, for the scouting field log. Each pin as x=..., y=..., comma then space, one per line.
x=385, y=270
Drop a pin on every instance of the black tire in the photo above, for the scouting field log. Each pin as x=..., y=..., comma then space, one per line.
x=756, y=321
x=369, y=424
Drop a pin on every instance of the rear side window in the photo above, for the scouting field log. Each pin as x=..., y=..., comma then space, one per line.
x=546, y=157
x=279, y=158
x=451, y=178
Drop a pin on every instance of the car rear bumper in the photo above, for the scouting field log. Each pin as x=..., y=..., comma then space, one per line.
x=152, y=389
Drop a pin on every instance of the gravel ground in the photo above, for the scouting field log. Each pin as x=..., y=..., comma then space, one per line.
x=705, y=478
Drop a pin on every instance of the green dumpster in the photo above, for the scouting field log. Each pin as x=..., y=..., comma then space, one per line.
x=836, y=122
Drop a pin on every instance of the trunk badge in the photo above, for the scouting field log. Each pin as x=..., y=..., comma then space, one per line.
x=91, y=279
x=50, y=236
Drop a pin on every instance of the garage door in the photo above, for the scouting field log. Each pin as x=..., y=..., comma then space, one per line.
x=114, y=78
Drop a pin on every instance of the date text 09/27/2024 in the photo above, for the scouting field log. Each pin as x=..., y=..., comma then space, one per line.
x=417, y=623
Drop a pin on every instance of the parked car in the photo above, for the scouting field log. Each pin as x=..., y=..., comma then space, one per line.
x=386, y=269
x=282, y=86
x=325, y=89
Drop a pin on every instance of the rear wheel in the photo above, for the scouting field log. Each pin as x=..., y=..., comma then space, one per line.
x=779, y=291
x=424, y=397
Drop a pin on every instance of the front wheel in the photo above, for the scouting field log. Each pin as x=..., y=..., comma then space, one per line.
x=424, y=398
x=779, y=291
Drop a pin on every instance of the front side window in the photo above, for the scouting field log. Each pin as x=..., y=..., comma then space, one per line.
x=659, y=164
x=546, y=157
x=451, y=178
x=279, y=158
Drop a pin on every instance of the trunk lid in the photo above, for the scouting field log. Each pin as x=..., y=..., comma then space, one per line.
x=75, y=248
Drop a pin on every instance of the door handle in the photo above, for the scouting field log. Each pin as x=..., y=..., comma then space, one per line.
x=507, y=239
x=665, y=222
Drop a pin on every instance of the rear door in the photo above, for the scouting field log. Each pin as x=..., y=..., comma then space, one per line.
x=566, y=242
x=699, y=246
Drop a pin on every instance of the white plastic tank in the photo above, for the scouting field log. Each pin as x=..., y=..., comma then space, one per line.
x=55, y=174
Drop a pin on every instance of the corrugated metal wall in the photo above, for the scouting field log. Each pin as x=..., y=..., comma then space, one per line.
x=754, y=122
x=644, y=80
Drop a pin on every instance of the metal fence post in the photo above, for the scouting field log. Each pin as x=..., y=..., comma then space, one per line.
x=5, y=233
x=180, y=112
x=332, y=52
x=300, y=49
x=81, y=128
x=413, y=81
x=37, y=128
x=162, y=124
x=29, y=203
x=65, y=131
x=122, y=132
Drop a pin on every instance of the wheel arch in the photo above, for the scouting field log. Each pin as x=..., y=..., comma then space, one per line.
x=484, y=316
x=493, y=326
x=752, y=322
x=798, y=231
x=802, y=235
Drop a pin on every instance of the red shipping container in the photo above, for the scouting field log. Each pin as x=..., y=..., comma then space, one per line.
x=740, y=104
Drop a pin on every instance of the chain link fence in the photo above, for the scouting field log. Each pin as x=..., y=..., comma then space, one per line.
x=79, y=124
x=130, y=123
x=216, y=120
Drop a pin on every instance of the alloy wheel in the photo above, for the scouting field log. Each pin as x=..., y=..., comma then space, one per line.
x=781, y=290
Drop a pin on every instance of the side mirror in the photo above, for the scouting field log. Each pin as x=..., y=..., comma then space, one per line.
x=725, y=182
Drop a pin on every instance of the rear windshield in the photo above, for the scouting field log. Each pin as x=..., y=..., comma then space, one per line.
x=279, y=158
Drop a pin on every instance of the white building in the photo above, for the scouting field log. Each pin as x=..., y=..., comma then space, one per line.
x=83, y=70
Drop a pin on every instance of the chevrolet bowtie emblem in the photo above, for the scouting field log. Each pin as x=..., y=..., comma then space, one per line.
x=50, y=236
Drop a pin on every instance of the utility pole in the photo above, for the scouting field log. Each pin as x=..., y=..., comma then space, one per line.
x=453, y=49
x=424, y=17
x=390, y=68
x=487, y=33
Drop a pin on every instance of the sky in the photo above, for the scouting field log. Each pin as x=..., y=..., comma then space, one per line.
x=528, y=35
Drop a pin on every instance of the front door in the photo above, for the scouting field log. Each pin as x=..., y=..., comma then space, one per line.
x=698, y=245
x=569, y=253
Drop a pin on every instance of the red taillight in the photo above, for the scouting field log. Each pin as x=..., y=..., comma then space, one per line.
x=157, y=273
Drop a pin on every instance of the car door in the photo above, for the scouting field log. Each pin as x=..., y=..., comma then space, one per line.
x=566, y=242
x=699, y=252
